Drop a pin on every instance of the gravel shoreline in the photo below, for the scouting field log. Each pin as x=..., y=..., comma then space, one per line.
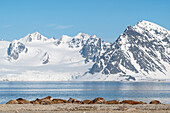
x=84, y=108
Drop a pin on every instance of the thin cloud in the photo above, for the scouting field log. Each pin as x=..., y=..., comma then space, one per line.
x=51, y=25
x=7, y=25
x=64, y=26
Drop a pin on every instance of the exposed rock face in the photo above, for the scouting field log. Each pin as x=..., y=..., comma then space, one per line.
x=98, y=100
x=77, y=41
x=94, y=48
x=14, y=50
x=132, y=102
x=45, y=58
x=141, y=50
x=155, y=102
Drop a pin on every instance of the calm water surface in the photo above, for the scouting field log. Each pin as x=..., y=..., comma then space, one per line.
x=143, y=91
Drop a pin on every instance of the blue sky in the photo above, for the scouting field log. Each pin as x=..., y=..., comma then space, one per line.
x=105, y=18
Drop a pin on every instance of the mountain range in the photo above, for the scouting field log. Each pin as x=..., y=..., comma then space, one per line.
x=141, y=53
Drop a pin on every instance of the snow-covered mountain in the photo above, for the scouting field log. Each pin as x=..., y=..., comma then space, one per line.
x=142, y=52
x=38, y=58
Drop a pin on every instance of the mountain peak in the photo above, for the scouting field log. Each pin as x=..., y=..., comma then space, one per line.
x=36, y=33
x=34, y=37
x=93, y=36
x=81, y=35
x=149, y=26
x=128, y=28
x=144, y=21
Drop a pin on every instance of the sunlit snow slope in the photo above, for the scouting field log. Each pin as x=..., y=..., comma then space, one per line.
x=37, y=58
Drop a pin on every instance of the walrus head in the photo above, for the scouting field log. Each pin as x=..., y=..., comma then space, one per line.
x=49, y=97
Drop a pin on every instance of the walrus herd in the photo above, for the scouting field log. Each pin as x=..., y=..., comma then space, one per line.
x=48, y=100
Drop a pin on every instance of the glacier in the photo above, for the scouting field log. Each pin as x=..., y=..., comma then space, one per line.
x=141, y=53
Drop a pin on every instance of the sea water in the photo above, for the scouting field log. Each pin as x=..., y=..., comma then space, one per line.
x=140, y=91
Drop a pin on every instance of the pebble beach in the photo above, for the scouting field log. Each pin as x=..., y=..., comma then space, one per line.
x=84, y=108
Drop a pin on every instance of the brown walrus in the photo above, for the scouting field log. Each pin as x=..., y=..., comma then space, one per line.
x=155, y=102
x=86, y=101
x=98, y=100
x=23, y=101
x=132, y=102
x=75, y=101
x=12, y=102
x=113, y=102
x=59, y=101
